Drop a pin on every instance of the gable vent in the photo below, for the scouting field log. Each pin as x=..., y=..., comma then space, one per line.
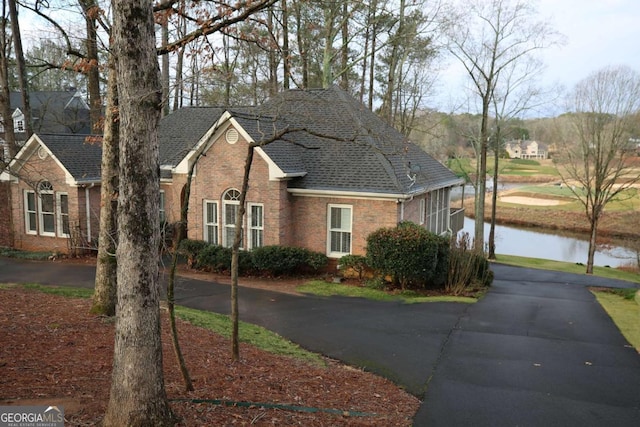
x=231, y=136
x=42, y=152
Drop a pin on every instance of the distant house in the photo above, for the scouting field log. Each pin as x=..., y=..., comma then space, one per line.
x=524, y=149
x=331, y=173
x=52, y=112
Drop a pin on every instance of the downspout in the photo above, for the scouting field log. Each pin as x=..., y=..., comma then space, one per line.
x=87, y=203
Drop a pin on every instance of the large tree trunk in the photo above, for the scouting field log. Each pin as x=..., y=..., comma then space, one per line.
x=104, y=294
x=91, y=11
x=494, y=200
x=22, y=71
x=137, y=396
x=593, y=235
x=5, y=93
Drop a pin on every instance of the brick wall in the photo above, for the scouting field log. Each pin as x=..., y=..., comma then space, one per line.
x=310, y=220
x=6, y=230
x=35, y=171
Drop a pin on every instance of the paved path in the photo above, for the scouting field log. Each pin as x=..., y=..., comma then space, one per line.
x=536, y=350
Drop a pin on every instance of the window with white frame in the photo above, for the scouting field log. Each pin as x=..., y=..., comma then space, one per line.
x=46, y=207
x=46, y=212
x=210, y=215
x=339, y=230
x=62, y=211
x=161, y=209
x=422, y=208
x=30, y=212
x=230, y=210
x=256, y=225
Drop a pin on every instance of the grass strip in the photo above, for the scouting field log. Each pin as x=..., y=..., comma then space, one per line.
x=322, y=288
x=254, y=335
x=623, y=306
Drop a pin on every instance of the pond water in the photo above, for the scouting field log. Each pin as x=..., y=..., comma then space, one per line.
x=536, y=244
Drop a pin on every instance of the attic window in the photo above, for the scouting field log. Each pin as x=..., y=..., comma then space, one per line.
x=42, y=153
x=231, y=136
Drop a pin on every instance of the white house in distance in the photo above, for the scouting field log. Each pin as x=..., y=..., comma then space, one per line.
x=524, y=149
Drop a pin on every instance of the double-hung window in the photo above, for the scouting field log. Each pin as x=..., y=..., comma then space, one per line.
x=46, y=212
x=62, y=211
x=210, y=222
x=256, y=225
x=161, y=208
x=339, y=230
x=30, y=212
x=46, y=207
x=231, y=209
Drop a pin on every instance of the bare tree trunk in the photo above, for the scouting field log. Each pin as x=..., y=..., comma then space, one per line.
x=286, y=60
x=344, y=50
x=593, y=240
x=137, y=396
x=22, y=71
x=91, y=10
x=104, y=295
x=494, y=199
x=237, y=241
x=165, y=69
x=5, y=92
x=181, y=232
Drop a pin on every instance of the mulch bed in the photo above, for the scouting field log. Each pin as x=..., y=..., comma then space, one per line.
x=54, y=352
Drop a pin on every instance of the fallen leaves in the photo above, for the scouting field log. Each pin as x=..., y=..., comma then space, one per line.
x=53, y=351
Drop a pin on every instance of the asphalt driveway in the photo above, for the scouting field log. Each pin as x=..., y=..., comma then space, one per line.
x=536, y=350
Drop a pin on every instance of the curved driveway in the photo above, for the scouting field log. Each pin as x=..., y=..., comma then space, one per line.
x=536, y=350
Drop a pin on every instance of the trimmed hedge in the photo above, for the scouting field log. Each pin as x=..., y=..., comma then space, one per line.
x=279, y=260
x=410, y=254
x=274, y=260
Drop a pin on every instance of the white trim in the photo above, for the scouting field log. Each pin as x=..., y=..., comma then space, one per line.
x=275, y=173
x=338, y=254
x=28, y=149
x=347, y=194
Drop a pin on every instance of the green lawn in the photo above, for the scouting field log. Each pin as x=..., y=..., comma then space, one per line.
x=624, y=311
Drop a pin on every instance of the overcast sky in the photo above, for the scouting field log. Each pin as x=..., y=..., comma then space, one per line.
x=598, y=33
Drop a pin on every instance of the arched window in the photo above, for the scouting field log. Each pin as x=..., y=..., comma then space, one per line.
x=47, y=208
x=230, y=209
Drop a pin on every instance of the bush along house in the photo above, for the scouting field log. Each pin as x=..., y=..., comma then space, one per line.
x=326, y=172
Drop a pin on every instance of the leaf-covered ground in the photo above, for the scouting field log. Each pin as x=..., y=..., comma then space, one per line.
x=54, y=352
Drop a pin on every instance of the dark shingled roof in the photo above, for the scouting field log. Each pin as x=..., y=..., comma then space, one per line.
x=62, y=112
x=341, y=145
x=181, y=130
x=80, y=154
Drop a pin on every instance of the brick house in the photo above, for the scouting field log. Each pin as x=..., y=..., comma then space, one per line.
x=334, y=173
x=325, y=174
x=55, y=193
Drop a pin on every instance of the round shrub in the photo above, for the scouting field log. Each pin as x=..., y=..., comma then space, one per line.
x=410, y=254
